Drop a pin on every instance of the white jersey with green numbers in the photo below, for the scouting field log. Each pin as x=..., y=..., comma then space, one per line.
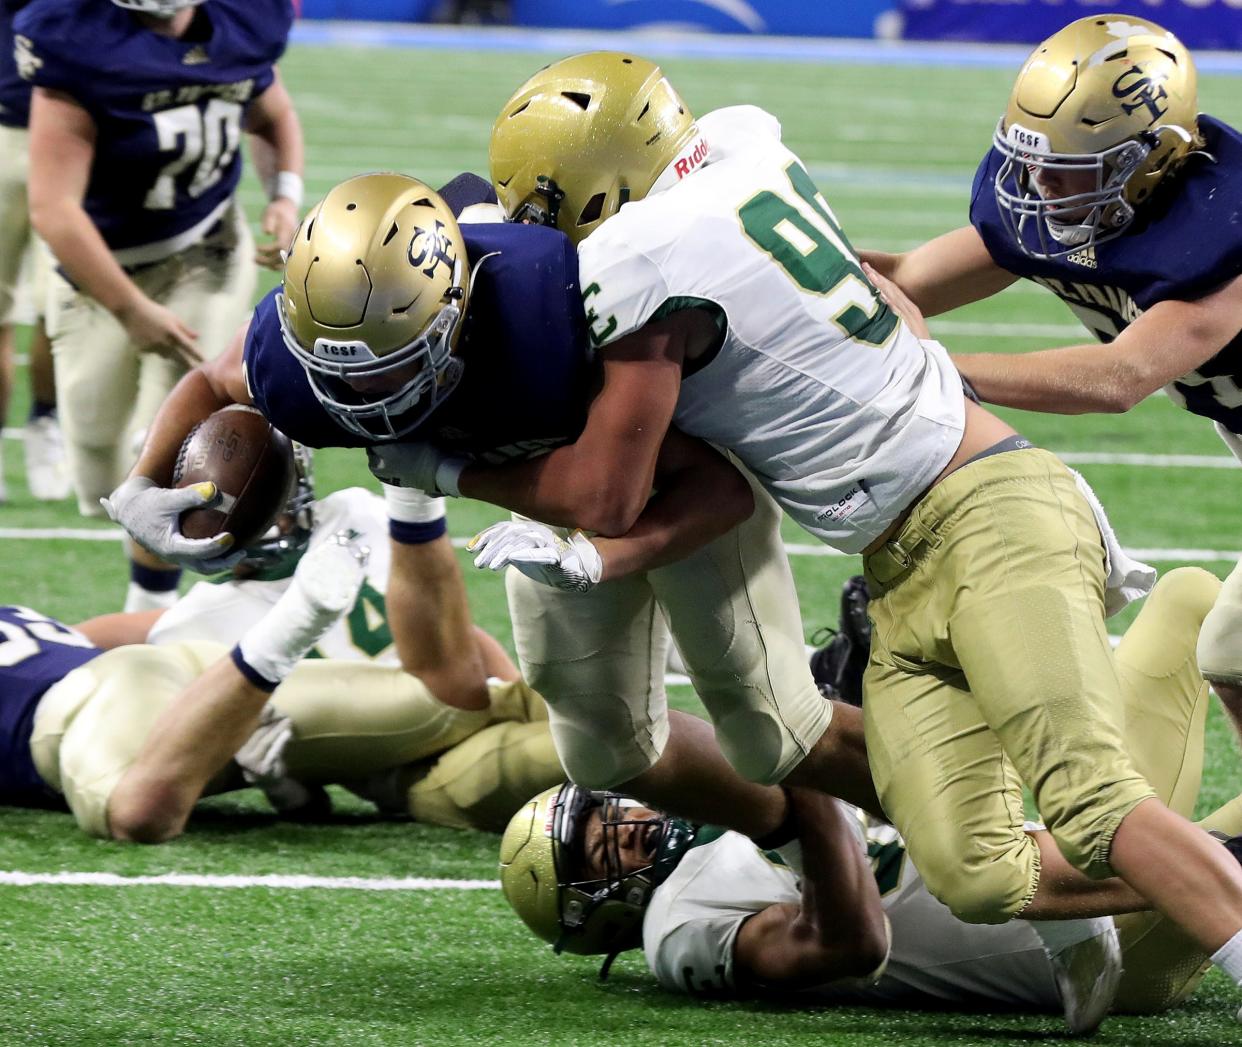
x=818, y=387
x=224, y=611
x=692, y=924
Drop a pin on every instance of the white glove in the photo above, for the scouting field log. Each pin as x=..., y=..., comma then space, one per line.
x=262, y=757
x=419, y=465
x=151, y=515
x=572, y=564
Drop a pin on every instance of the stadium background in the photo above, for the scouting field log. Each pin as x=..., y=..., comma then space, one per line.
x=363, y=932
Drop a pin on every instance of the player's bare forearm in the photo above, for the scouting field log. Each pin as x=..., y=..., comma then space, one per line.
x=700, y=496
x=838, y=930
x=839, y=894
x=942, y=274
x=118, y=630
x=431, y=625
x=204, y=390
x=274, y=121
x=191, y=742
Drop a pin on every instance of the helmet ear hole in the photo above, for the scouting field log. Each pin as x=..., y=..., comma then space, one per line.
x=594, y=208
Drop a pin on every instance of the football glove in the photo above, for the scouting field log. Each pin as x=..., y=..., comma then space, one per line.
x=572, y=564
x=417, y=464
x=151, y=515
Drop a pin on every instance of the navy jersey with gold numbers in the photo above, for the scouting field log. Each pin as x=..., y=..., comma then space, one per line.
x=1182, y=245
x=168, y=113
x=35, y=652
x=524, y=344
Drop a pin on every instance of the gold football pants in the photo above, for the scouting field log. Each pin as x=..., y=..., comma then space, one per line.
x=991, y=666
x=107, y=390
x=350, y=719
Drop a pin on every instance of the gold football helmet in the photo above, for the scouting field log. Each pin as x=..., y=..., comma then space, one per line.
x=545, y=876
x=376, y=286
x=1102, y=112
x=585, y=135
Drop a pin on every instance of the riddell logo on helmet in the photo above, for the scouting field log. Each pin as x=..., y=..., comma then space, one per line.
x=691, y=159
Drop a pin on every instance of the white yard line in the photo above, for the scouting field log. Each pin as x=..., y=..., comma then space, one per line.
x=272, y=882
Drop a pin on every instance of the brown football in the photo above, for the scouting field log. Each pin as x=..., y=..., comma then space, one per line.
x=249, y=461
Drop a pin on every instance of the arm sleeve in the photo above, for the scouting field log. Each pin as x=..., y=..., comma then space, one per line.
x=696, y=957
x=621, y=288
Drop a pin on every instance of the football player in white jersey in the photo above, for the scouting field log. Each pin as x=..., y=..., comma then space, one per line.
x=724, y=297
x=717, y=916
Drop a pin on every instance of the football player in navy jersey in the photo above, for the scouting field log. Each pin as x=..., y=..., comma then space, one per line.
x=134, y=164
x=131, y=737
x=1105, y=185
x=320, y=359
x=45, y=468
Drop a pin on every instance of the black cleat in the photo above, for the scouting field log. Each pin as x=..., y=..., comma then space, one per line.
x=838, y=665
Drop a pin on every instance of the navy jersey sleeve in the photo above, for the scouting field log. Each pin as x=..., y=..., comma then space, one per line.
x=466, y=190
x=35, y=653
x=14, y=90
x=524, y=387
x=279, y=385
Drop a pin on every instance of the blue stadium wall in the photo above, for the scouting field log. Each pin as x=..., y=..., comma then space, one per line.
x=1201, y=24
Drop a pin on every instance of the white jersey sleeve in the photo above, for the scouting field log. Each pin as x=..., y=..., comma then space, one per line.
x=694, y=918
x=224, y=611
x=817, y=386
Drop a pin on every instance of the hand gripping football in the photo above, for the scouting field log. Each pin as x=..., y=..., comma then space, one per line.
x=251, y=464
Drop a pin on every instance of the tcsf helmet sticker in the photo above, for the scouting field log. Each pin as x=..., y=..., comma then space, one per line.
x=433, y=247
x=1140, y=90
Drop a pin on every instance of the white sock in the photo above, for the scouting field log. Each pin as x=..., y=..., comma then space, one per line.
x=139, y=599
x=1059, y=935
x=1229, y=958
x=323, y=590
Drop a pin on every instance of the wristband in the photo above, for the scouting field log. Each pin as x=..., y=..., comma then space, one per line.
x=287, y=184
x=252, y=674
x=409, y=505
x=417, y=533
x=448, y=473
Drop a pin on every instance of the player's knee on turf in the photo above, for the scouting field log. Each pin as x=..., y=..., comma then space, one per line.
x=1220, y=637
x=146, y=811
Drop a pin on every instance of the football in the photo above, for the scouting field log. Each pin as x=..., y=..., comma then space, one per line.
x=249, y=461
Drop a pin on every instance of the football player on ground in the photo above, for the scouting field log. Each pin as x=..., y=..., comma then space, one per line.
x=134, y=161
x=1105, y=185
x=716, y=916
x=478, y=782
x=131, y=738
x=492, y=359
x=722, y=295
x=44, y=453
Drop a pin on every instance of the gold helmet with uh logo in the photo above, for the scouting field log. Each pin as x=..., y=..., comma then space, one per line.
x=1101, y=114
